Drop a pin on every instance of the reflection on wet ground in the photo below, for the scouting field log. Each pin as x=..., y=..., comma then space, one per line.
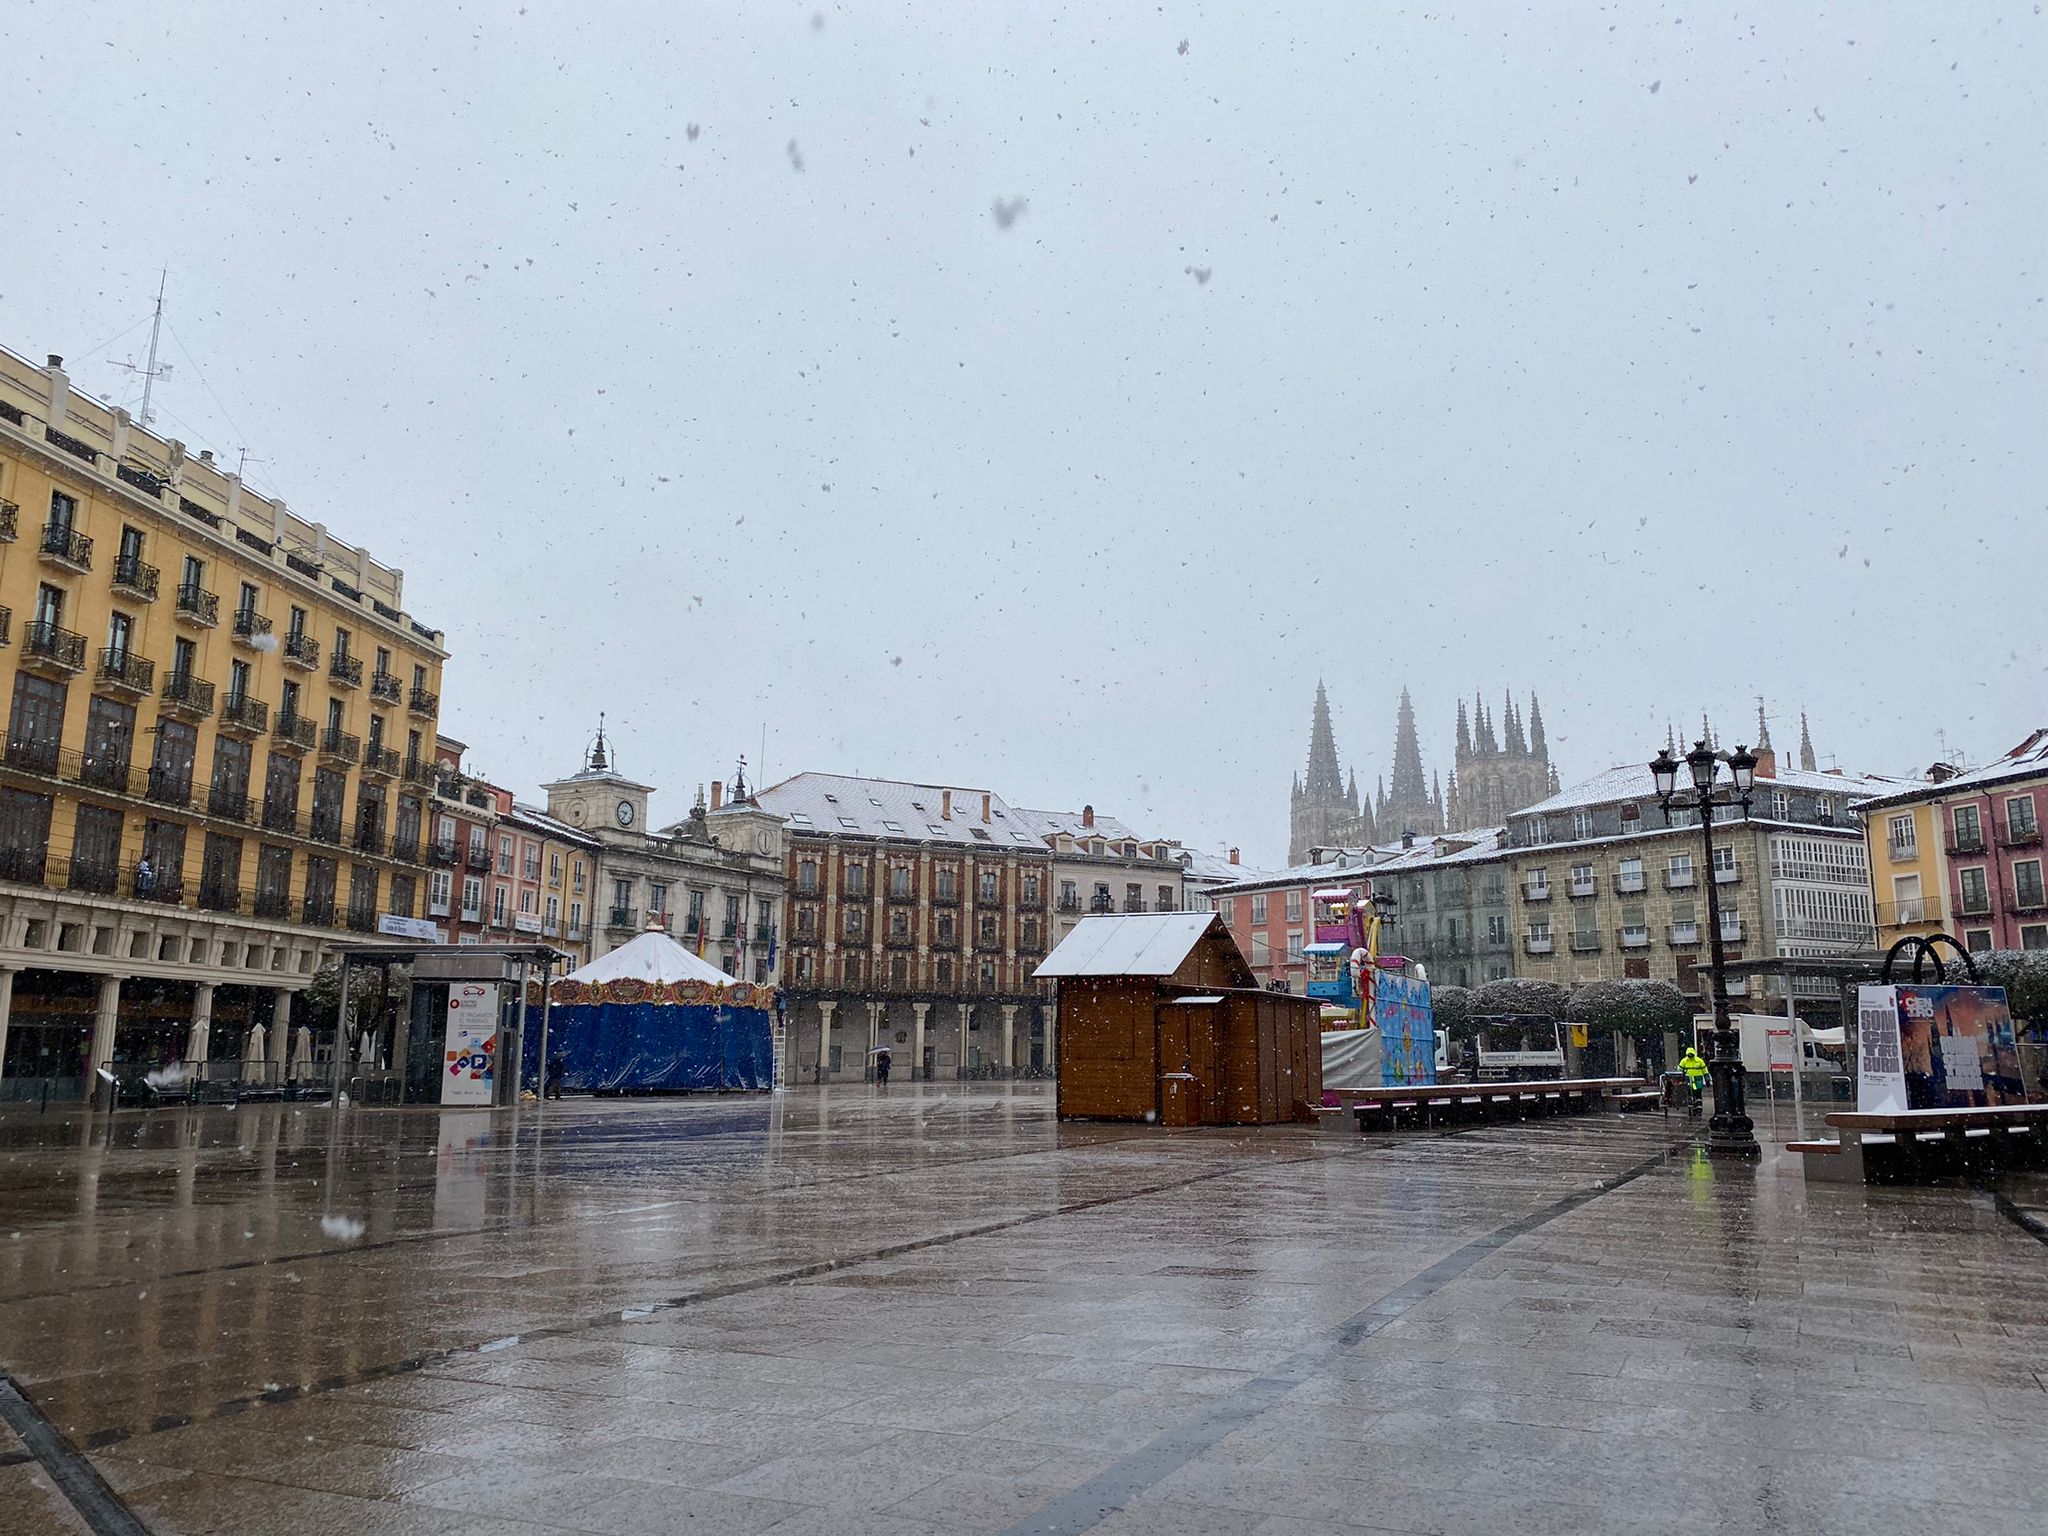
x=936, y=1309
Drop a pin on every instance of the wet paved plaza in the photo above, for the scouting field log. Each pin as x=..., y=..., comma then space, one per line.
x=936, y=1310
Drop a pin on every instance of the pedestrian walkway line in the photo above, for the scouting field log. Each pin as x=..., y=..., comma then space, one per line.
x=1103, y=1495
x=76, y=1478
x=101, y=1439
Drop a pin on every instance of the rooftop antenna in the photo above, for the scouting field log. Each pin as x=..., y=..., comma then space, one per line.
x=151, y=372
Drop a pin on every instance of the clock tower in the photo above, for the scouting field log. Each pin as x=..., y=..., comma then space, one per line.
x=598, y=798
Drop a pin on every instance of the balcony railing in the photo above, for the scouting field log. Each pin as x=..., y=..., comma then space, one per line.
x=442, y=851
x=1727, y=874
x=380, y=760
x=188, y=695
x=1101, y=904
x=385, y=687
x=1685, y=933
x=1586, y=887
x=1068, y=904
x=1134, y=903
x=1971, y=903
x=1680, y=879
x=1731, y=930
x=1628, y=885
x=66, y=546
x=422, y=702
x=346, y=670
x=217, y=895
x=148, y=883
x=368, y=840
x=621, y=918
x=1539, y=944
x=122, y=671
x=1827, y=931
x=292, y=730
x=1633, y=938
x=225, y=803
x=1904, y=914
x=340, y=745
x=198, y=606
x=2028, y=900
x=249, y=625
x=301, y=650
x=240, y=712
x=2026, y=834
x=272, y=903
x=134, y=577
x=1966, y=843
x=477, y=859
x=419, y=771
x=10, y=522
x=27, y=865
x=57, y=649
x=6, y=623
x=166, y=787
x=1536, y=892
x=101, y=877
x=1585, y=943
x=318, y=910
x=1902, y=852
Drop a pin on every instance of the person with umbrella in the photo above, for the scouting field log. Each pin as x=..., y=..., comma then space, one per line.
x=882, y=1066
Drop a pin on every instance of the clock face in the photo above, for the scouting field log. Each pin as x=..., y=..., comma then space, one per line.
x=625, y=813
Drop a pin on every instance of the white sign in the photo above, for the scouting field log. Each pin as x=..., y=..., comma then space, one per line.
x=526, y=922
x=472, y=1043
x=1784, y=1056
x=1880, y=1064
x=411, y=928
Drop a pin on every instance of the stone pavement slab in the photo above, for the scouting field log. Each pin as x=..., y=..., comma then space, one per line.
x=936, y=1309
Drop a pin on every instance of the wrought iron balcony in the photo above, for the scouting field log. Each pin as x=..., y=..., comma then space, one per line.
x=66, y=546
x=242, y=713
x=249, y=625
x=292, y=731
x=340, y=746
x=187, y=695
x=272, y=903
x=385, y=687
x=1680, y=879
x=1539, y=943
x=122, y=671
x=1966, y=843
x=46, y=648
x=101, y=877
x=621, y=918
x=10, y=522
x=2026, y=834
x=368, y=840
x=196, y=605
x=2028, y=900
x=218, y=895
x=422, y=702
x=1637, y=937
x=301, y=650
x=6, y=624
x=420, y=772
x=442, y=852
x=1685, y=933
x=324, y=825
x=134, y=577
x=228, y=805
x=148, y=883
x=346, y=670
x=1902, y=850
x=318, y=910
x=379, y=761
x=1536, y=892
x=477, y=859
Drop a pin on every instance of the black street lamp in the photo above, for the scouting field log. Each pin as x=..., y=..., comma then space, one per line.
x=1730, y=1133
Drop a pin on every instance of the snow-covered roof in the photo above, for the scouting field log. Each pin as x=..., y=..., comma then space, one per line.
x=829, y=804
x=1363, y=864
x=1211, y=868
x=1127, y=944
x=1044, y=824
x=1633, y=781
x=539, y=820
x=2027, y=760
x=654, y=956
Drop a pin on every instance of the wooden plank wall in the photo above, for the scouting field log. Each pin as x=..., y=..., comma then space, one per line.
x=1107, y=1064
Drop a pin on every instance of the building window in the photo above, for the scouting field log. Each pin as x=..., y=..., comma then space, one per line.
x=988, y=928
x=806, y=922
x=1294, y=906
x=899, y=970
x=440, y=886
x=946, y=885
x=943, y=971
x=851, y=970
x=1226, y=907
x=1496, y=928
x=504, y=855
x=1975, y=889
x=1582, y=880
x=1259, y=911
x=2027, y=895
x=1031, y=887
x=855, y=921
x=1903, y=836
x=1582, y=823
x=1781, y=805
x=1538, y=884
x=2020, y=825
x=1259, y=956
x=499, y=896
x=807, y=877
x=657, y=898
x=949, y=933
x=989, y=885
x=1294, y=954
x=1977, y=940
x=2034, y=936
x=472, y=899
x=899, y=881
x=1724, y=865
x=554, y=869
x=1030, y=938
x=899, y=925
x=856, y=879
x=1166, y=902
x=1628, y=875
x=1969, y=830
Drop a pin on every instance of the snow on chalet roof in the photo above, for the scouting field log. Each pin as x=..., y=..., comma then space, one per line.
x=828, y=804
x=1633, y=781
x=1358, y=865
x=1044, y=824
x=1127, y=944
x=652, y=957
x=2027, y=760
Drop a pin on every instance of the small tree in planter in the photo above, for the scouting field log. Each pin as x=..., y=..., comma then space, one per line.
x=1520, y=994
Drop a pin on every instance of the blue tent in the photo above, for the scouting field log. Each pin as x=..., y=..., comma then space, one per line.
x=650, y=1017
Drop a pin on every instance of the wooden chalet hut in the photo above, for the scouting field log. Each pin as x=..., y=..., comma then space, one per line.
x=1161, y=1020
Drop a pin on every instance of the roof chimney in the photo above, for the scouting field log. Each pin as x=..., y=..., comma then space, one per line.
x=945, y=805
x=1941, y=773
x=56, y=361
x=717, y=794
x=1233, y=855
x=1766, y=762
x=206, y=455
x=984, y=806
x=1087, y=816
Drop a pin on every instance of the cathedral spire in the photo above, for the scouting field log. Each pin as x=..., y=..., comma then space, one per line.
x=1482, y=728
x=1351, y=792
x=1414, y=809
x=1464, y=734
x=1806, y=758
x=1511, y=724
x=1763, y=728
x=1537, y=744
x=1325, y=782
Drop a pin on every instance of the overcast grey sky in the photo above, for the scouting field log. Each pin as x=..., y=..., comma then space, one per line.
x=1650, y=357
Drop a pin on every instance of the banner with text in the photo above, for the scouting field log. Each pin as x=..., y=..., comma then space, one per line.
x=472, y=1042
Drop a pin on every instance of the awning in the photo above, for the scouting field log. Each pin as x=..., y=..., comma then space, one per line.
x=1330, y=948
x=1176, y=1002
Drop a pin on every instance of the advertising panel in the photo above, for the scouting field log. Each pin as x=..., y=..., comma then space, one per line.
x=1936, y=1047
x=472, y=1043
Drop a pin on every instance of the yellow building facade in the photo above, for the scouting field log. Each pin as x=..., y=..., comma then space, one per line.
x=220, y=747
x=1908, y=870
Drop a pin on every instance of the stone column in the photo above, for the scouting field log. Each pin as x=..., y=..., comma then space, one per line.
x=965, y=1010
x=825, y=1012
x=917, y=1011
x=7, y=1010
x=1009, y=1039
x=103, y=1040
x=197, y=1044
x=281, y=1030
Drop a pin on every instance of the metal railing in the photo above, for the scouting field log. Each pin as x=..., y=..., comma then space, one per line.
x=293, y=730
x=197, y=604
x=188, y=695
x=386, y=687
x=249, y=624
x=1685, y=933
x=123, y=669
x=2025, y=835
x=1680, y=879
x=1961, y=843
x=340, y=745
x=1538, y=944
x=67, y=546
x=45, y=641
x=422, y=702
x=301, y=650
x=245, y=713
x=2031, y=899
x=380, y=760
x=133, y=575
x=621, y=918
x=346, y=670
x=1536, y=892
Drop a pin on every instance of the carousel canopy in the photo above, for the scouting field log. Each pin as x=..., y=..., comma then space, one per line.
x=654, y=956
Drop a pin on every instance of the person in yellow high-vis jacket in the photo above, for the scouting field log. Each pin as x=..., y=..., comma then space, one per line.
x=1694, y=1066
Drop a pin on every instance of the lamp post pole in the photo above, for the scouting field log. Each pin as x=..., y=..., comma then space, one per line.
x=1731, y=1133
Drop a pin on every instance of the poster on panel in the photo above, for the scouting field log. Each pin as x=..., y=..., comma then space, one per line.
x=1936, y=1047
x=1407, y=1028
x=472, y=1043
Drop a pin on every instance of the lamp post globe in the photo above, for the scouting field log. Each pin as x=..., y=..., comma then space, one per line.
x=1704, y=765
x=1664, y=771
x=1742, y=768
